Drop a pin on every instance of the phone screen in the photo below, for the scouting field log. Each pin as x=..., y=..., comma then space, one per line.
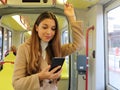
x=56, y=61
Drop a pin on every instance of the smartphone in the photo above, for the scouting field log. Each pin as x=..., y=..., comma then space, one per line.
x=57, y=61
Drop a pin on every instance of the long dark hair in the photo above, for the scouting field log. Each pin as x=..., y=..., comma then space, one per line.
x=53, y=49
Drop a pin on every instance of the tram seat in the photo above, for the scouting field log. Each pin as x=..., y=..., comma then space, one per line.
x=63, y=83
x=7, y=72
x=65, y=69
x=10, y=57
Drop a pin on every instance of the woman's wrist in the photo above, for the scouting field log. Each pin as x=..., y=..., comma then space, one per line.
x=40, y=77
x=71, y=18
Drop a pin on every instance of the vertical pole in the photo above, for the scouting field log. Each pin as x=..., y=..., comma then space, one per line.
x=87, y=36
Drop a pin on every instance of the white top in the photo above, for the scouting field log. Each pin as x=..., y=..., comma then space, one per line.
x=46, y=84
x=44, y=45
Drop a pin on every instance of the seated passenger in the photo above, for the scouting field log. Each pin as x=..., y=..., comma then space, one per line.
x=12, y=49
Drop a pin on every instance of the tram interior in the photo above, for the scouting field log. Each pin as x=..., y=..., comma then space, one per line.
x=15, y=34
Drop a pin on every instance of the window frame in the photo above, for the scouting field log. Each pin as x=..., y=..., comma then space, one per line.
x=110, y=6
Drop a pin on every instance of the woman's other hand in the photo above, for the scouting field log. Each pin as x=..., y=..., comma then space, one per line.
x=69, y=11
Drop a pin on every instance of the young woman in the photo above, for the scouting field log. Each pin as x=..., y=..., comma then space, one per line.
x=34, y=57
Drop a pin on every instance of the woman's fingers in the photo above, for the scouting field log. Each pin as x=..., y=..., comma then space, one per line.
x=46, y=74
x=47, y=68
x=55, y=69
x=56, y=75
x=68, y=4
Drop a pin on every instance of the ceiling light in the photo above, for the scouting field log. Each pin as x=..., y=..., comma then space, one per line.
x=29, y=32
x=61, y=1
x=17, y=19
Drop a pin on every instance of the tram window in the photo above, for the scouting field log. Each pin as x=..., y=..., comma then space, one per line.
x=65, y=37
x=10, y=38
x=1, y=43
x=65, y=40
x=113, y=36
x=7, y=40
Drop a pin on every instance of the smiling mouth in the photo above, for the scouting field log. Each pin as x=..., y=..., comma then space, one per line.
x=48, y=37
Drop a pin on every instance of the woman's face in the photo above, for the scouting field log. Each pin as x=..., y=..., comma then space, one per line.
x=46, y=30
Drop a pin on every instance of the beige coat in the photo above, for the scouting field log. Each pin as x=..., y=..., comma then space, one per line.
x=22, y=82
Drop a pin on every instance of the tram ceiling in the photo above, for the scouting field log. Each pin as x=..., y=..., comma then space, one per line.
x=27, y=13
x=81, y=4
x=33, y=9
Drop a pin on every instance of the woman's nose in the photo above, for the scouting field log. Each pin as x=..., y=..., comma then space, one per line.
x=49, y=31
